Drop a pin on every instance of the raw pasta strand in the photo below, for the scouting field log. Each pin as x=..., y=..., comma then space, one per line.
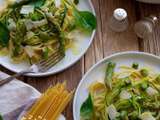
x=50, y=104
x=53, y=93
x=41, y=98
x=44, y=106
x=40, y=106
x=34, y=108
x=61, y=107
x=55, y=105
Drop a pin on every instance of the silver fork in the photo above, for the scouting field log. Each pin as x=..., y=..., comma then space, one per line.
x=42, y=66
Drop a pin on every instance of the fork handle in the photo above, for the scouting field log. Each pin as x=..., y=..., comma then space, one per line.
x=8, y=79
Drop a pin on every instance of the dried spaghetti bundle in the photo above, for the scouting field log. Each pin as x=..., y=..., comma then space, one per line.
x=51, y=104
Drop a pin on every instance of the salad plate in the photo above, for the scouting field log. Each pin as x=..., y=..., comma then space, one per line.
x=72, y=55
x=98, y=73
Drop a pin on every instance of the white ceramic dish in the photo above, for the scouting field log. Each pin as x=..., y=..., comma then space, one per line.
x=150, y=1
x=83, y=42
x=97, y=72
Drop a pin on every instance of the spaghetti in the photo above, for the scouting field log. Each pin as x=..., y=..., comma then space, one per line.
x=50, y=104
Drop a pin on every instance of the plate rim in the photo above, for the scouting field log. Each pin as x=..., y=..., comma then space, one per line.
x=48, y=73
x=101, y=61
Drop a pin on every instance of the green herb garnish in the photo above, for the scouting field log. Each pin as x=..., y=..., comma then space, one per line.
x=1, y=118
x=86, y=110
x=4, y=35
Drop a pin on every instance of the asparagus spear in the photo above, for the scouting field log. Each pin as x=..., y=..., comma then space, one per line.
x=109, y=74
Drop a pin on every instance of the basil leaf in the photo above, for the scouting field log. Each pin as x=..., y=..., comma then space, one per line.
x=4, y=35
x=86, y=110
x=1, y=118
x=85, y=20
x=38, y=3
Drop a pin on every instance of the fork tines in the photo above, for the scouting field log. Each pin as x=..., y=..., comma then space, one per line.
x=53, y=59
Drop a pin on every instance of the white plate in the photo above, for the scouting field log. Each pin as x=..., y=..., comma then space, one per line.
x=150, y=1
x=97, y=72
x=83, y=42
